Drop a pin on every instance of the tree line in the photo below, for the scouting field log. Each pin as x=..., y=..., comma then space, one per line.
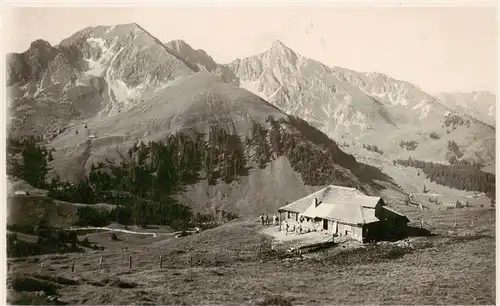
x=146, y=183
x=461, y=175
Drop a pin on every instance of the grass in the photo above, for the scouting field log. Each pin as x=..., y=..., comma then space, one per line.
x=369, y=255
x=449, y=268
x=275, y=300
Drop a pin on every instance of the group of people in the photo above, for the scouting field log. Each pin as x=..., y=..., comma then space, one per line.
x=266, y=221
x=297, y=229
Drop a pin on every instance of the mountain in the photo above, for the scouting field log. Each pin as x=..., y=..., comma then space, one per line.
x=480, y=105
x=285, y=156
x=106, y=91
x=97, y=71
x=364, y=110
x=201, y=60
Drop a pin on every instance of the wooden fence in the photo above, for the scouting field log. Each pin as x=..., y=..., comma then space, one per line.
x=214, y=258
x=440, y=224
x=187, y=260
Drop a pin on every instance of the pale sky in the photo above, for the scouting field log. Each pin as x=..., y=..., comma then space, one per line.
x=438, y=49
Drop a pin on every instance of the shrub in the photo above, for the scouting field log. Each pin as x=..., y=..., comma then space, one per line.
x=28, y=283
x=453, y=120
x=374, y=148
x=453, y=147
x=434, y=135
x=410, y=145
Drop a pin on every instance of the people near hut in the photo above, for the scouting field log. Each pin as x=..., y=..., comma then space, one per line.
x=286, y=227
x=301, y=219
x=261, y=217
x=275, y=219
x=266, y=219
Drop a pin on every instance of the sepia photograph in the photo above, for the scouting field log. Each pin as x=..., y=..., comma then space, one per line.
x=250, y=153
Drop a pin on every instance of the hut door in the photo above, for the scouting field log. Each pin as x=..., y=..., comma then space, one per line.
x=325, y=225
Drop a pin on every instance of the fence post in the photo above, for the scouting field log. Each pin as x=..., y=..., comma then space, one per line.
x=437, y=224
x=73, y=266
x=161, y=261
x=471, y=222
x=130, y=262
x=190, y=260
x=455, y=223
x=100, y=263
x=41, y=267
x=422, y=223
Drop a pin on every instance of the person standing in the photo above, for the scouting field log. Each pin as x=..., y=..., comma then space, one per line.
x=261, y=217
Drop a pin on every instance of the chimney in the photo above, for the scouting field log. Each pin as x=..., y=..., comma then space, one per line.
x=316, y=202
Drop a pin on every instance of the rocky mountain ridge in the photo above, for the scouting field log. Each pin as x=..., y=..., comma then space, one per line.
x=356, y=108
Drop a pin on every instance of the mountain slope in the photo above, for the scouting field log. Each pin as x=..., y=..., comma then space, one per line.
x=285, y=156
x=363, y=109
x=305, y=88
x=478, y=104
x=98, y=70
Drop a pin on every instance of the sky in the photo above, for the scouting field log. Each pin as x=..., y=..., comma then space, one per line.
x=439, y=49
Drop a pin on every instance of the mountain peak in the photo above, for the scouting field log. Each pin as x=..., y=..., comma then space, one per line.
x=129, y=26
x=279, y=51
x=279, y=45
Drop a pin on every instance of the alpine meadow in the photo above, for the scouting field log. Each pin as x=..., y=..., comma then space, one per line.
x=142, y=171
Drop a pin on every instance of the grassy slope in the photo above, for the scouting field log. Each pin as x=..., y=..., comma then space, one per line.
x=410, y=182
x=451, y=270
x=28, y=209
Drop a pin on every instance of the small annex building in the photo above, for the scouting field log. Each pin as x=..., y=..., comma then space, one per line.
x=344, y=211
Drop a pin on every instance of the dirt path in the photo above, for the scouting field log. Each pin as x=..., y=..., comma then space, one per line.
x=127, y=231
